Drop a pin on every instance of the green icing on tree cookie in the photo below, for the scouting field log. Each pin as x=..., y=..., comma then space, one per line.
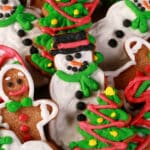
x=43, y=63
x=142, y=17
x=132, y=146
x=55, y=19
x=24, y=19
x=45, y=41
x=105, y=125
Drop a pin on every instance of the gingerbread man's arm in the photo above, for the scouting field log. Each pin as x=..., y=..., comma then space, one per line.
x=46, y=114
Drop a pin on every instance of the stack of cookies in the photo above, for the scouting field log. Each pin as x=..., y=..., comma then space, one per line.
x=91, y=80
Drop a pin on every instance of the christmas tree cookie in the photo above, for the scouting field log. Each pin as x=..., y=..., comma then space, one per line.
x=104, y=124
x=137, y=92
x=66, y=15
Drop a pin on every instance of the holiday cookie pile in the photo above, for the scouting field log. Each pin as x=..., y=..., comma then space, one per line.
x=96, y=76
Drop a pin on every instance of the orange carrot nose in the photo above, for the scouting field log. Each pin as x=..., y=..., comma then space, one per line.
x=6, y=8
x=76, y=63
x=146, y=4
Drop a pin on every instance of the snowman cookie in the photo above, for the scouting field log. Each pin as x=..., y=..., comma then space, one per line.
x=138, y=52
x=18, y=27
x=24, y=116
x=77, y=78
x=124, y=19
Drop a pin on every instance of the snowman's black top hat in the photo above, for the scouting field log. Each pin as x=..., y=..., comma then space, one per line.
x=71, y=42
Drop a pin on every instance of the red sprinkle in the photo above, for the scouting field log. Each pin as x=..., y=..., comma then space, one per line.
x=26, y=137
x=24, y=128
x=23, y=117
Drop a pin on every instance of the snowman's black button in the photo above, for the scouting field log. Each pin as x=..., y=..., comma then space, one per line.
x=27, y=42
x=81, y=117
x=21, y=33
x=33, y=50
x=79, y=95
x=81, y=106
x=112, y=43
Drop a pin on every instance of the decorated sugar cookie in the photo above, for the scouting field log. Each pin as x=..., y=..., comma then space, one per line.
x=137, y=92
x=105, y=124
x=124, y=19
x=138, y=51
x=77, y=78
x=17, y=91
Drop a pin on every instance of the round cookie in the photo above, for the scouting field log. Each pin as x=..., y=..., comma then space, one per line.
x=124, y=19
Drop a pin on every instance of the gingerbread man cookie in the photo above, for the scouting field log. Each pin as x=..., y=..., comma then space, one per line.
x=24, y=116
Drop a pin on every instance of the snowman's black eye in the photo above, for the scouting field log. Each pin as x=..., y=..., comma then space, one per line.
x=5, y=1
x=69, y=58
x=78, y=55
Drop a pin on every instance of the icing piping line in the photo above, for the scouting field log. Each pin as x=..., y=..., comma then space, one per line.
x=73, y=44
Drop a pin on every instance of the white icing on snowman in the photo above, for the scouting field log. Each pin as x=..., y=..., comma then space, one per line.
x=46, y=115
x=63, y=128
x=111, y=33
x=16, y=144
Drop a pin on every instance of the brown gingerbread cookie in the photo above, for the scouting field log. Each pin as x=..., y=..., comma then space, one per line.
x=138, y=51
x=25, y=117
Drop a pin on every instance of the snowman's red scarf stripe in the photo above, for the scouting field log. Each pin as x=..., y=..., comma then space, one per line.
x=84, y=125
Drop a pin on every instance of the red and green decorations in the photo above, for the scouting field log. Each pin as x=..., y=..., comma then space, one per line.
x=137, y=92
x=67, y=15
x=105, y=126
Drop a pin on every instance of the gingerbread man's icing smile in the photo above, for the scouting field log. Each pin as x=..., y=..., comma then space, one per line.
x=15, y=84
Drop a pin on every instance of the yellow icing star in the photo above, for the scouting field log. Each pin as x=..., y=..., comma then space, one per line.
x=76, y=12
x=95, y=58
x=92, y=142
x=100, y=120
x=113, y=115
x=109, y=91
x=114, y=133
x=49, y=65
x=54, y=21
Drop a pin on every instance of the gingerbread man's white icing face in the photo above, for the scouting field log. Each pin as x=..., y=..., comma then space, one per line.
x=7, y=8
x=15, y=84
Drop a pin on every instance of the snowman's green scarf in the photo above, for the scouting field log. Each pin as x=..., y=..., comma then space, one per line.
x=142, y=17
x=24, y=19
x=84, y=78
